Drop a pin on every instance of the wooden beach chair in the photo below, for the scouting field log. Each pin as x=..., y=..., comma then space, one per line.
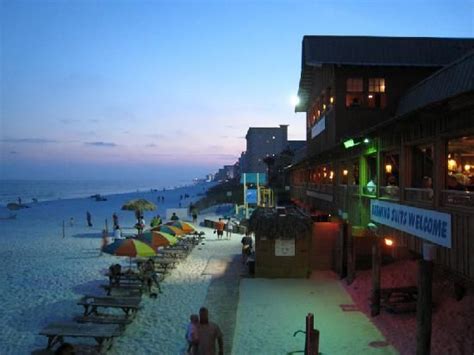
x=102, y=333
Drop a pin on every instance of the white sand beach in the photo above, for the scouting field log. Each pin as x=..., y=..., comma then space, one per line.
x=44, y=275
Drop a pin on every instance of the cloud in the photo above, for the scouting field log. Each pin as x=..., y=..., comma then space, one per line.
x=13, y=152
x=101, y=144
x=157, y=135
x=28, y=140
x=68, y=121
x=151, y=145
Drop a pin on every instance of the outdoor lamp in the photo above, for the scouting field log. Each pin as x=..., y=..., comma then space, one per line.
x=388, y=242
x=295, y=100
x=467, y=167
x=388, y=168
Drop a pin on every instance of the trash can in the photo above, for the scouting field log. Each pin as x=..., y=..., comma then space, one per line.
x=251, y=265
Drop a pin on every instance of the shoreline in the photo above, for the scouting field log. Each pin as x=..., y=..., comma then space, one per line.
x=30, y=203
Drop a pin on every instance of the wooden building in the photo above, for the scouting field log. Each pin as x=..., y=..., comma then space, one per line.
x=390, y=139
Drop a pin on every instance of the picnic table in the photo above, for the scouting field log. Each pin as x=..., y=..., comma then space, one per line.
x=399, y=299
x=126, y=304
x=174, y=253
x=102, y=333
x=165, y=263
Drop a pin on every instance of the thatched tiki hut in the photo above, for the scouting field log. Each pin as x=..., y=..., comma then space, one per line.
x=282, y=242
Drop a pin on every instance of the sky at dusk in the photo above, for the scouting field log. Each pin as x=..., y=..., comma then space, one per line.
x=99, y=89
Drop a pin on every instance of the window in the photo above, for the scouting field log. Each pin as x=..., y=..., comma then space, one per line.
x=460, y=164
x=421, y=189
x=370, y=187
x=389, y=184
x=376, y=95
x=354, y=92
x=459, y=189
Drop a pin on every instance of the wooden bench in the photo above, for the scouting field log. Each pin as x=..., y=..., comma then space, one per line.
x=102, y=333
x=399, y=299
x=128, y=305
x=137, y=287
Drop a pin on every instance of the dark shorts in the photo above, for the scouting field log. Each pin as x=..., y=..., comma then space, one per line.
x=220, y=233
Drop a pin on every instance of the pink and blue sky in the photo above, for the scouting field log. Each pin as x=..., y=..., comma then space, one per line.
x=98, y=89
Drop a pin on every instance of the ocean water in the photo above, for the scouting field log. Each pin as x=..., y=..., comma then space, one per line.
x=47, y=190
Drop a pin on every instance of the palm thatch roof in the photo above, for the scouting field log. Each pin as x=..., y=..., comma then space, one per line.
x=139, y=205
x=272, y=223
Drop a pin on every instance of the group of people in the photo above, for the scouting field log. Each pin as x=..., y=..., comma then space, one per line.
x=222, y=226
x=202, y=335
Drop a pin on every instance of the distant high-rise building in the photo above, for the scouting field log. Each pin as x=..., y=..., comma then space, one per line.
x=263, y=142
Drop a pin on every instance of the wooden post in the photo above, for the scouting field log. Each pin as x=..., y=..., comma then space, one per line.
x=312, y=337
x=64, y=230
x=376, y=265
x=350, y=254
x=423, y=307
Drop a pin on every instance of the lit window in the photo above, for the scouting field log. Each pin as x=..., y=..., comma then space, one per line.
x=376, y=85
x=460, y=164
x=376, y=95
x=354, y=92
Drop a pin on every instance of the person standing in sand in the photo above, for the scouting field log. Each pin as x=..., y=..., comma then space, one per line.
x=208, y=334
x=89, y=219
x=192, y=334
x=115, y=221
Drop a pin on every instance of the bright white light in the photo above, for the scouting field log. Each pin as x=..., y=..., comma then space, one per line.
x=295, y=100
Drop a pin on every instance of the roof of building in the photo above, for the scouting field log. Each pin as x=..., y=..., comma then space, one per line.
x=453, y=80
x=386, y=51
x=296, y=145
x=375, y=51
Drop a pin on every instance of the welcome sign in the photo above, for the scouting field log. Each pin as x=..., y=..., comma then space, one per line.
x=430, y=225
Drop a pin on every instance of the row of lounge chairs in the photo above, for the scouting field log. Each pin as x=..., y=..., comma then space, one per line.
x=123, y=293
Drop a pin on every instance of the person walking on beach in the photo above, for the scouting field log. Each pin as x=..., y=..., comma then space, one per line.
x=174, y=217
x=89, y=219
x=228, y=229
x=220, y=225
x=19, y=201
x=208, y=334
x=195, y=217
x=192, y=334
x=71, y=222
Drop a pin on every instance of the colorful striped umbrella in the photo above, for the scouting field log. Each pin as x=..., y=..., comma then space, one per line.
x=129, y=247
x=157, y=239
x=169, y=229
x=184, y=226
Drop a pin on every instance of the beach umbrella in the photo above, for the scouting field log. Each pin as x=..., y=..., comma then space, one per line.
x=169, y=229
x=157, y=239
x=184, y=226
x=139, y=205
x=130, y=248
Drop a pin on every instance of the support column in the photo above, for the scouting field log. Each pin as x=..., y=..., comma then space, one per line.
x=351, y=255
x=376, y=266
x=424, y=301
